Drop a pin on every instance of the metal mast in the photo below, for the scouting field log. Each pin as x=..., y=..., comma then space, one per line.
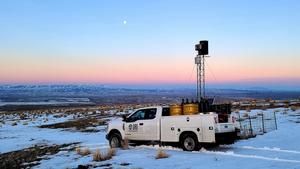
x=202, y=49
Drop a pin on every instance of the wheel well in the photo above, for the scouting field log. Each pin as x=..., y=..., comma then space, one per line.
x=187, y=132
x=113, y=131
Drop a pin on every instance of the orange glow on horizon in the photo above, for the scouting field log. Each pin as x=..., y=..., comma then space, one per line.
x=139, y=70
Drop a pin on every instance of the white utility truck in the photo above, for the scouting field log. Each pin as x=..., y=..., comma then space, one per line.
x=155, y=125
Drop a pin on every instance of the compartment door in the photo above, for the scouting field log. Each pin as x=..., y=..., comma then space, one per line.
x=208, y=129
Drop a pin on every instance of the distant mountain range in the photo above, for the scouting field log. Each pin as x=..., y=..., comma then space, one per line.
x=105, y=94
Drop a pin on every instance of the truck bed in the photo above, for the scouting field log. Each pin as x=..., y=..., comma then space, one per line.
x=201, y=124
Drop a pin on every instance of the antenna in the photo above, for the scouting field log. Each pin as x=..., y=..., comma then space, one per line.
x=202, y=49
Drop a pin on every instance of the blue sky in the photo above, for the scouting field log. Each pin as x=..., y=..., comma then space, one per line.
x=72, y=41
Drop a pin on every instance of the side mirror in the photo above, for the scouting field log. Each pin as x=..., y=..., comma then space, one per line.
x=124, y=117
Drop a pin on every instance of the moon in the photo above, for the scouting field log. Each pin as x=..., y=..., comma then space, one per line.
x=124, y=22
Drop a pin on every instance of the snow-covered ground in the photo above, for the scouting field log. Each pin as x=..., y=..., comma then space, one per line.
x=275, y=149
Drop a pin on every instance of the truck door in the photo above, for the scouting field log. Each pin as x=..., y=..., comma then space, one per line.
x=131, y=127
x=142, y=125
x=150, y=125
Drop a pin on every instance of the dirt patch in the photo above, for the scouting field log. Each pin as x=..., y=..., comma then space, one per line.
x=28, y=157
x=79, y=124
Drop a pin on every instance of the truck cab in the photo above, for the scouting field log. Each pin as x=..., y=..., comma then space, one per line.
x=154, y=124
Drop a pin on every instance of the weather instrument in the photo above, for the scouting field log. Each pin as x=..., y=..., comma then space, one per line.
x=202, y=49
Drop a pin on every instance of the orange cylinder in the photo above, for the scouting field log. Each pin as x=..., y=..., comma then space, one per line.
x=175, y=110
x=190, y=109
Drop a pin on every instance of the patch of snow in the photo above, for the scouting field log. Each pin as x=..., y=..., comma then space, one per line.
x=277, y=149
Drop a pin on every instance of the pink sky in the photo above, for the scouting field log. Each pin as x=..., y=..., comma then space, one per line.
x=131, y=69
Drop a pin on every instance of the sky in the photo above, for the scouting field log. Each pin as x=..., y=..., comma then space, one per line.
x=251, y=43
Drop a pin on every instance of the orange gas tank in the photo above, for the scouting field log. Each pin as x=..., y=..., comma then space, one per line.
x=175, y=110
x=190, y=109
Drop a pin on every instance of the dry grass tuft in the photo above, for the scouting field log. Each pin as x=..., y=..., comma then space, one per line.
x=78, y=150
x=294, y=108
x=161, y=154
x=83, y=152
x=125, y=144
x=248, y=109
x=98, y=156
x=23, y=116
x=111, y=152
x=287, y=102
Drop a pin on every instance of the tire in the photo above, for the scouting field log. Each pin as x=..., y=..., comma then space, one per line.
x=189, y=142
x=115, y=140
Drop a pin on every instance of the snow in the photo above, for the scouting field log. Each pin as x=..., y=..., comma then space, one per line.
x=277, y=149
x=23, y=136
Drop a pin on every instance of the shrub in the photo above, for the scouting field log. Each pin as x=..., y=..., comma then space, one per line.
x=98, y=156
x=272, y=103
x=22, y=116
x=125, y=144
x=287, y=102
x=78, y=150
x=14, y=123
x=111, y=152
x=83, y=152
x=161, y=154
x=294, y=108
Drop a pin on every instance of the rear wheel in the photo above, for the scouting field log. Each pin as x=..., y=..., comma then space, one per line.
x=189, y=142
x=115, y=140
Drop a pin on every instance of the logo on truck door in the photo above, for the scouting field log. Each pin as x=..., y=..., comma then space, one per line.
x=133, y=127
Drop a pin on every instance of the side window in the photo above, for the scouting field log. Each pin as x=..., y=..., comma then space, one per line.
x=150, y=114
x=144, y=114
x=166, y=111
x=137, y=116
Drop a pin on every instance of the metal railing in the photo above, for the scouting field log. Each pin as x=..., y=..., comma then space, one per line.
x=251, y=125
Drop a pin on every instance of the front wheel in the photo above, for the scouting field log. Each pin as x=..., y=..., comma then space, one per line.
x=189, y=142
x=115, y=140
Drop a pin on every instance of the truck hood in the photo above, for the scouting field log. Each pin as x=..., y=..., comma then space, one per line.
x=116, y=121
